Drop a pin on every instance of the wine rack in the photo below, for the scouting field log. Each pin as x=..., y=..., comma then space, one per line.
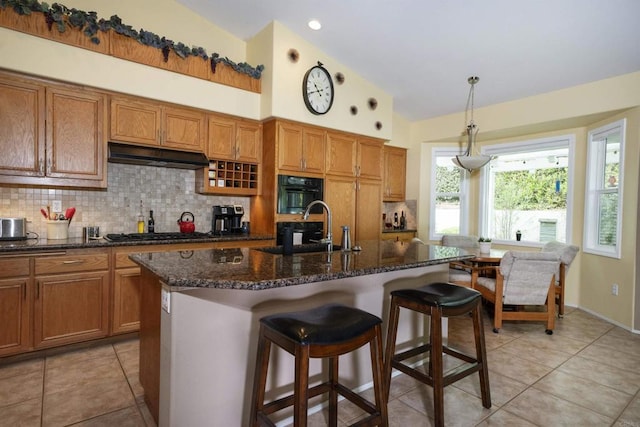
x=228, y=177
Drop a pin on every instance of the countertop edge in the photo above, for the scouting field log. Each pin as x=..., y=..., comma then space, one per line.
x=178, y=284
x=41, y=245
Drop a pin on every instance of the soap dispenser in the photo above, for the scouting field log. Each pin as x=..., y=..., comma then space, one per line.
x=346, y=238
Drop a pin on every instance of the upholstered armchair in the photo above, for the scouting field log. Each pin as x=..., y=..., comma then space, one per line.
x=522, y=279
x=460, y=271
x=566, y=253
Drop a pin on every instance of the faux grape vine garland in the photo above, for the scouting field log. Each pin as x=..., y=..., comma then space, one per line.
x=89, y=23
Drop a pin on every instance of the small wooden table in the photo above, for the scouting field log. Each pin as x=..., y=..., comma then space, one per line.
x=492, y=257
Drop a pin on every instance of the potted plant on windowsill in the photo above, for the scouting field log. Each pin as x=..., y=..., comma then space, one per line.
x=485, y=244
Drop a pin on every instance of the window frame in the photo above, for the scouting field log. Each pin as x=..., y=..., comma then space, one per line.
x=449, y=152
x=596, y=157
x=527, y=145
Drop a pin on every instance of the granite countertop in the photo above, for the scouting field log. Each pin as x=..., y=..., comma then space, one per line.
x=254, y=269
x=39, y=245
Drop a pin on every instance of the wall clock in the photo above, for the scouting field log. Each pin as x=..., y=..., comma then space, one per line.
x=317, y=89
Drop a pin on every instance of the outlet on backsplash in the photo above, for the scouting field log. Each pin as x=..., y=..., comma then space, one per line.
x=56, y=206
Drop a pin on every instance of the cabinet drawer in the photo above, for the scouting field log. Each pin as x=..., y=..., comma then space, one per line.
x=14, y=267
x=72, y=263
x=123, y=260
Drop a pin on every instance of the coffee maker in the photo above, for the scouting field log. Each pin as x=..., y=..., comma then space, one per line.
x=227, y=219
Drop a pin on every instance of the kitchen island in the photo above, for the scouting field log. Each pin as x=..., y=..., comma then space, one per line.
x=201, y=309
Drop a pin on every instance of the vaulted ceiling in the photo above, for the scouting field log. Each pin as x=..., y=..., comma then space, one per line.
x=422, y=51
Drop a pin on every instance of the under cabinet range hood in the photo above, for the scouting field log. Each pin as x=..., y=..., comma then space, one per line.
x=152, y=156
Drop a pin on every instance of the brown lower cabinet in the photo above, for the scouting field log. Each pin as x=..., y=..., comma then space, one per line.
x=71, y=301
x=50, y=299
x=15, y=305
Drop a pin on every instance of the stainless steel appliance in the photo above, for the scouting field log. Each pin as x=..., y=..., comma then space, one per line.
x=296, y=192
x=311, y=231
x=13, y=228
x=227, y=219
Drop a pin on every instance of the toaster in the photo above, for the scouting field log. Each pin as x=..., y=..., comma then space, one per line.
x=13, y=228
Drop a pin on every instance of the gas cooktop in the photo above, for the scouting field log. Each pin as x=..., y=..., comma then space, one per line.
x=143, y=237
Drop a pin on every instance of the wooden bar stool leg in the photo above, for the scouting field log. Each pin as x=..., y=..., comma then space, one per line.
x=333, y=393
x=377, y=365
x=392, y=330
x=481, y=355
x=301, y=386
x=437, y=365
x=260, y=378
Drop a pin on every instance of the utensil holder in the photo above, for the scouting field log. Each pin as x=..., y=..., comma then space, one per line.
x=57, y=230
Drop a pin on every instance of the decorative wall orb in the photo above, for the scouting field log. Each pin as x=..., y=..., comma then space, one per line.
x=378, y=125
x=293, y=55
x=354, y=110
x=373, y=103
x=339, y=78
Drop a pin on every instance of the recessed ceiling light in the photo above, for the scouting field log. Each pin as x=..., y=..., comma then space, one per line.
x=314, y=24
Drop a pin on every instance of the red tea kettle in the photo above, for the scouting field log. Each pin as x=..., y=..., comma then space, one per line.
x=186, y=223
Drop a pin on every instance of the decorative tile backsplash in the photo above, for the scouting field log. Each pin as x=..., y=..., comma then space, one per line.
x=410, y=208
x=169, y=192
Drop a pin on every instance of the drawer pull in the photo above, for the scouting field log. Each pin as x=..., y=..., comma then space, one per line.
x=74, y=261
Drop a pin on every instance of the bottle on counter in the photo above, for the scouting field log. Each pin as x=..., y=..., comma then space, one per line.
x=395, y=220
x=151, y=223
x=141, y=219
x=403, y=221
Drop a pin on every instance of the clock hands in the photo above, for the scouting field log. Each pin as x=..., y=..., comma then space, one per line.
x=318, y=90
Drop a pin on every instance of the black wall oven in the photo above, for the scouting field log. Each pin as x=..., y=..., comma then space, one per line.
x=296, y=192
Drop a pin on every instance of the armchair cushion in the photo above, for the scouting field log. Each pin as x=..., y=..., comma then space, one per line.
x=566, y=252
x=527, y=276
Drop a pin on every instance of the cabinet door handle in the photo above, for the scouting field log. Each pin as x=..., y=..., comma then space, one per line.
x=73, y=261
x=304, y=164
x=358, y=169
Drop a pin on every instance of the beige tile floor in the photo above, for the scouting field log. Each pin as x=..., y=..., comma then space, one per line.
x=586, y=374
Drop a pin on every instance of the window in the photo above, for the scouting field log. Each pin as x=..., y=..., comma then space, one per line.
x=526, y=190
x=603, y=199
x=449, y=195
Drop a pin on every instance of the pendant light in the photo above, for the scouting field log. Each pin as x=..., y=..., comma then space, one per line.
x=469, y=161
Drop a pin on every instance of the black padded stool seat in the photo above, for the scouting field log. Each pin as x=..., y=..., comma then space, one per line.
x=438, y=300
x=323, y=332
x=329, y=324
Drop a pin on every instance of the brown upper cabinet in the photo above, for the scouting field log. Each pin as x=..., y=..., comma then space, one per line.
x=145, y=123
x=395, y=174
x=233, y=139
x=300, y=148
x=348, y=155
x=51, y=134
x=369, y=163
x=341, y=154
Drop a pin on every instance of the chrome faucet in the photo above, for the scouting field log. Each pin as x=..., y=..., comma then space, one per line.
x=305, y=216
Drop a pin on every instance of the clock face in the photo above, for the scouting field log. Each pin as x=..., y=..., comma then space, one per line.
x=317, y=90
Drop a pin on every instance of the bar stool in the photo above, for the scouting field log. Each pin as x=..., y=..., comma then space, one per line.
x=323, y=332
x=438, y=300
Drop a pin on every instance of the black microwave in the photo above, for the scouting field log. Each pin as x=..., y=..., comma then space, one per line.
x=296, y=192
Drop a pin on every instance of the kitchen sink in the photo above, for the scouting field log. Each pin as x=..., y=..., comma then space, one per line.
x=300, y=249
